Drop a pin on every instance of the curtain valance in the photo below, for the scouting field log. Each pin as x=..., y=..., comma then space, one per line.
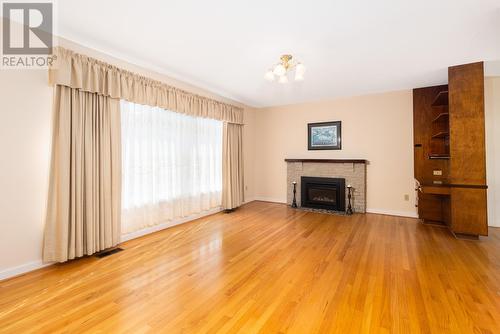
x=91, y=75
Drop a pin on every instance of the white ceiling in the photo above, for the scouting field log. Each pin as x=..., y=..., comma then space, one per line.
x=349, y=47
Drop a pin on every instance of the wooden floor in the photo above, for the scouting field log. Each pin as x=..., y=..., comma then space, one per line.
x=270, y=269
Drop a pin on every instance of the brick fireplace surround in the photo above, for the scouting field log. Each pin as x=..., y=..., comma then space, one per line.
x=353, y=171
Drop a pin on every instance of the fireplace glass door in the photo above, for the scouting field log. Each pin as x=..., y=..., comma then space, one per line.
x=323, y=193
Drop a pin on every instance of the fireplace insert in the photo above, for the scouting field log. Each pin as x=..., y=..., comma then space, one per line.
x=323, y=193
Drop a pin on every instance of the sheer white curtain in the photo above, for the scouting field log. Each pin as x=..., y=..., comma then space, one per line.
x=172, y=165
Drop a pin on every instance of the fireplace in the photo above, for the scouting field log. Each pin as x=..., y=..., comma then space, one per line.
x=323, y=193
x=351, y=170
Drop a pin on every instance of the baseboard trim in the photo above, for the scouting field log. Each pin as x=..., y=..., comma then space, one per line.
x=22, y=269
x=377, y=211
x=156, y=228
x=248, y=200
x=269, y=199
x=407, y=214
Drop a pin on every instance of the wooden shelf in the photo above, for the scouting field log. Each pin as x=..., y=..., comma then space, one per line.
x=334, y=161
x=441, y=99
x=437, y=156
x=442, y=134
x=441, y=117
x=454, y=185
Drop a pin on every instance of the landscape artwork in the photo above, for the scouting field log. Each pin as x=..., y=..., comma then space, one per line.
x=324, y=136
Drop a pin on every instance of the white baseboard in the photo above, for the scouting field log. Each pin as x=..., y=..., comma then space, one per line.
x=270, y=199
x=408, y=214
x=22, y=269
x=248, y=200
x=156, y=228
x=377, y=211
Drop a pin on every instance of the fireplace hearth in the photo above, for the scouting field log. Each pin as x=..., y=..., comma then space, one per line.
x=323, y=193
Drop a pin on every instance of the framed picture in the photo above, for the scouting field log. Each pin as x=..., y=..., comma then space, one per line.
x=324, y=136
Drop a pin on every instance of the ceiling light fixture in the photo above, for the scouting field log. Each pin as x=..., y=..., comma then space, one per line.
x=282, y=69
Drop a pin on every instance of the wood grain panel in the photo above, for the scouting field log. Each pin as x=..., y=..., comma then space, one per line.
x=430, y=207
x=468, y=211
x=267, y=268
x=329, y=161
x=436, y=190
x=467, y=138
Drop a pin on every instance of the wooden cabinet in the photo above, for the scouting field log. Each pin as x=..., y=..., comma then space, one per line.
x=449, y=151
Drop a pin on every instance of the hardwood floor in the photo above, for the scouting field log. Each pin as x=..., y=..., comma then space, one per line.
x=270, y=269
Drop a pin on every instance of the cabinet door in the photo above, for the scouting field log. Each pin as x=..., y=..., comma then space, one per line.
x=468, y=211
x=430, y=208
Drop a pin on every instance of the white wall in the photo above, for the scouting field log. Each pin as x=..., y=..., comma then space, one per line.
x=492, y=119
x=249, y=133
x=376, y=127
x=25, y=137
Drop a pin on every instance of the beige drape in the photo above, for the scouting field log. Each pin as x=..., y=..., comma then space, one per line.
x=88, y=74
x=85, y=191
x=232, y=166
x=84, y=204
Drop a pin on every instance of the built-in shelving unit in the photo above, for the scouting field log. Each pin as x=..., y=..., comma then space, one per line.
x=440, y=125
x=441, y=99
x=449, y=152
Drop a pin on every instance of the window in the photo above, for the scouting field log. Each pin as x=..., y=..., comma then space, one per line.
x=171, y=165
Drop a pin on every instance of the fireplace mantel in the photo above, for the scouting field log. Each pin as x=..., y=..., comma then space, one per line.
x=331, y=161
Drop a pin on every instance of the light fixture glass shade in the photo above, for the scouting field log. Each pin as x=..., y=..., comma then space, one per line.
x=283, y=70
x=283, y=79
x=300, y=70
x=279, y=70
x=269, y=75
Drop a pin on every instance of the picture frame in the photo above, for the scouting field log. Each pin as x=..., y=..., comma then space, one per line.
x=324, y=136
